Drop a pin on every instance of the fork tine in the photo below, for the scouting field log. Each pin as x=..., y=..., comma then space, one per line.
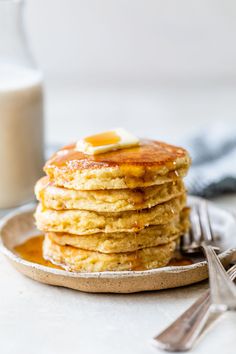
x=185, y=242
x=202, y=236
x=209, y=222
x=195, y=223
x=232, y=272
x=205, y=224
x=190, y=242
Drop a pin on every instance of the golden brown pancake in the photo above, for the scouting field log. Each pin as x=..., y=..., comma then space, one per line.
x=117, y=242
x=115, y=211
x=82, y=222
x=112, y=200
x=78, y=260
x=149, y=164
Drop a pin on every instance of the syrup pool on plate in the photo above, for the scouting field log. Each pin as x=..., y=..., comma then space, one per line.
x=32, y=251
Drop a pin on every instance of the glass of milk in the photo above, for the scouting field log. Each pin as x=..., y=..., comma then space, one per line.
x=21, y=110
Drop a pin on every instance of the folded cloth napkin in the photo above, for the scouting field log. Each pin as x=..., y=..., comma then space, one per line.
x=213, y=170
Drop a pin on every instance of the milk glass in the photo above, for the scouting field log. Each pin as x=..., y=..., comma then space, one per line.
x=21, y=110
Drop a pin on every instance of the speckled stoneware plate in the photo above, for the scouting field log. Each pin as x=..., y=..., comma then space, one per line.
x=19, y=226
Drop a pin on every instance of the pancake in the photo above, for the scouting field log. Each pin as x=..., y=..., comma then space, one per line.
x=112, y=200
x=125, y=241
x=149, y=164
x=81, y=222
x=78, y=260
x=117, y=242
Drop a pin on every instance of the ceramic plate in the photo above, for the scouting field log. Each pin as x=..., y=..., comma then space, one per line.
x=18, y=226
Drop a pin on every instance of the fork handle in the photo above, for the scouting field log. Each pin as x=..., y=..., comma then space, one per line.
x=222, y=289
x=181, y=334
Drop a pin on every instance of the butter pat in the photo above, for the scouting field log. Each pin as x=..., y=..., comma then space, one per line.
x=108, y=141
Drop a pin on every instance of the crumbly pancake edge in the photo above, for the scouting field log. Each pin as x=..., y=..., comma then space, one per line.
x=74, y=259
x=137, y=168
x=60, y=198
x=88, y=222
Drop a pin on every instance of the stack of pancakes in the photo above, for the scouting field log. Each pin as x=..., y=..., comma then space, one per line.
x=120, y=210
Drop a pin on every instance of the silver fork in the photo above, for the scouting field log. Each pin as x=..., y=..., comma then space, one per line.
x=182, y=334
x=223, y=291
x=200, y=231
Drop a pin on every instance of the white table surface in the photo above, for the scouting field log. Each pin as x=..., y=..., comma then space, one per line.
x=41, y=319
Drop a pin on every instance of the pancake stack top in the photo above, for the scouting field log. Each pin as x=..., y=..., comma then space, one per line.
x=119, y=210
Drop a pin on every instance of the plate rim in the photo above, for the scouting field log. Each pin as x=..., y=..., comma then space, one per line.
x=106, y=274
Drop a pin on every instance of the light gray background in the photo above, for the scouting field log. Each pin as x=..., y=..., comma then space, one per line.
x=134, y=41
x=162, y=69
x=159, y=68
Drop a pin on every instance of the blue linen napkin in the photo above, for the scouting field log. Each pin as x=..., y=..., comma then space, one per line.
x=213, y=170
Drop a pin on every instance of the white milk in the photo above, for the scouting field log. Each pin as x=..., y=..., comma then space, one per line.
x=21, y=134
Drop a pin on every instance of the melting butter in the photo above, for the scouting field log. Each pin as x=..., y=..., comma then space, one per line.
x=107, y=141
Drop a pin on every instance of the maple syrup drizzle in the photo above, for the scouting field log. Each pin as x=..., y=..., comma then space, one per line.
x=107, y=138
x=175, y=262
x=32, y=251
